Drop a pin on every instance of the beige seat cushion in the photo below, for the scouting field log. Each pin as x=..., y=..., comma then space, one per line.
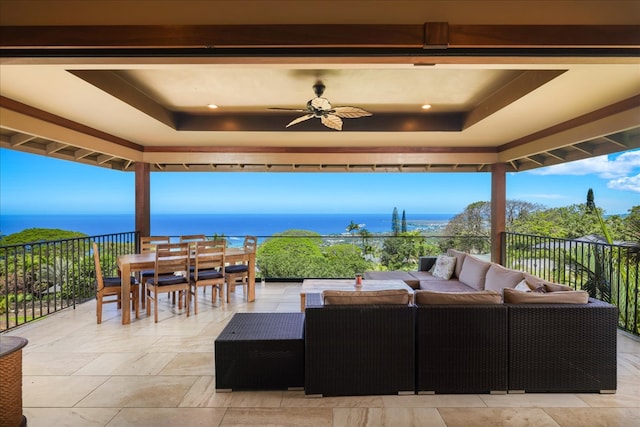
x=390, y=296
x=450, y=298
x=405, y=276
x=499, y=277
x=511, y=296
x=474, y=271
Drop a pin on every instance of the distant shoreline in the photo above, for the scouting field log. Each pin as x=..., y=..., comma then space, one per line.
x=235, y=224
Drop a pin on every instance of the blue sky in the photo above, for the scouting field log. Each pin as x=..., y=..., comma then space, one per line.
x=35, y=184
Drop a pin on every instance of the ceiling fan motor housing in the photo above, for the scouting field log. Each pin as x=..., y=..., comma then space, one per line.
x=318, y=88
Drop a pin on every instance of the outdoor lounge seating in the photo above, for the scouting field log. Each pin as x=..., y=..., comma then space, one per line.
x=461, y=348
x=362, y=349
x=507, y=332
x=563, y=347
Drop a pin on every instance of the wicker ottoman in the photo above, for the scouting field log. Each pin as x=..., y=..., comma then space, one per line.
x=261, y=351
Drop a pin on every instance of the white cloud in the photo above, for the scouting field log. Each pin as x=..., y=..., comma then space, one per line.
x=627, y=183
x=607, y=167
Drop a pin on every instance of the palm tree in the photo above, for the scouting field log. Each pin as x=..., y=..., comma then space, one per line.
x=353, y=227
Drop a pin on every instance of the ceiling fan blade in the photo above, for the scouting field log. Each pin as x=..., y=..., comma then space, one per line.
x=351, y=112
x=332, y=121
x=300, y=119
x=301, y=110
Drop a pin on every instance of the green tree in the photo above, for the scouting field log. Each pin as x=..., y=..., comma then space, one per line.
x=469, y=231
x=366, y=235
x=351, y=228
x=291, y=254
x=301, y=254
x=403, y=251
x=404, y=222
x=632, y=225
x=33, y=235
x=395, y=222
x=343, y=261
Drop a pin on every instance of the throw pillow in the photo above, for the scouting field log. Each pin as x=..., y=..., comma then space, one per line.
x=444, y=267
x=522, y=286
x=499, y=277
x=474, y=271
x=556, y=287
x=459, y=260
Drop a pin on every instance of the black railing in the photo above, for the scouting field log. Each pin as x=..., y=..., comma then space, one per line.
x=607, y=272
x=40, y=278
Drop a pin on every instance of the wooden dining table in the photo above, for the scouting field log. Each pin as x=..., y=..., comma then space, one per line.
x=132, y=263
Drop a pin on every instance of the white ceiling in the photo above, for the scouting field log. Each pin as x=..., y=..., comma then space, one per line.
x=113, y=111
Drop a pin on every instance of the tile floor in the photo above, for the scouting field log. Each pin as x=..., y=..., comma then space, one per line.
x=78, y=373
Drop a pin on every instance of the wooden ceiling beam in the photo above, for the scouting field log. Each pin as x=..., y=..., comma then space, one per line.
x=521, y=85
x=20, y=138
x=343, y=36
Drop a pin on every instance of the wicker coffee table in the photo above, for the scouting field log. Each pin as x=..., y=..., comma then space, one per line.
x=316, y=286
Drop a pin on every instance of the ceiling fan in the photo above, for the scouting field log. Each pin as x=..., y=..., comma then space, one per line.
x=320, y=108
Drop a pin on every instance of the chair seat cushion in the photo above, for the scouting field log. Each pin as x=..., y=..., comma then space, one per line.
x=240, y=268
x=168, y=279
x=115, y=281
x=207, y=275
x=147, y=273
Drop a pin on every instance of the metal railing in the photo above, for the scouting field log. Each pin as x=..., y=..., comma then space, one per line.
x=40, y=278
x=608, y=272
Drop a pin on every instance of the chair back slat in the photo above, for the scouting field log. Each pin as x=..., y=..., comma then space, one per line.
x=193, y=238
x=172, y=258
x=209, y=254
x=96, y=260
x=250, y=244
x=149, y=243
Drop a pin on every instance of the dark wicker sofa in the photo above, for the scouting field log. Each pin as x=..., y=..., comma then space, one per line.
x=359, y=349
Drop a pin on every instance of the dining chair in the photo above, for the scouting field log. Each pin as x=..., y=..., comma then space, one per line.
x=191, y=239
x=209, y=269
x=148, y=244
x=107, y=287
x=238, y=274
x=170, y=274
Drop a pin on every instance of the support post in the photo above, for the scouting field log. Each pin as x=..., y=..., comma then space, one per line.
x=143, y=199
x=498, y=208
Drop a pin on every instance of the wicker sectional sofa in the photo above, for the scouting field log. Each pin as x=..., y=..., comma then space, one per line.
x=472, y=333
x=369, y=349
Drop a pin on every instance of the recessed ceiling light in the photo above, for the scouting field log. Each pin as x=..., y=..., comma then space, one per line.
x=212, y=106
x=426, y=106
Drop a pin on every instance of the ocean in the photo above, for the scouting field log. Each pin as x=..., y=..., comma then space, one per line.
x=227, y=224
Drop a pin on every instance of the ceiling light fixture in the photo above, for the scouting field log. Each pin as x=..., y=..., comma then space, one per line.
x=426, y=106
x=212, y=106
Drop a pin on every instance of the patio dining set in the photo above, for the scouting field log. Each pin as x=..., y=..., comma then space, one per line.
x=177, y=268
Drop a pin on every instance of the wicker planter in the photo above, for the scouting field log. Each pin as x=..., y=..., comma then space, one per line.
x=11, y=381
